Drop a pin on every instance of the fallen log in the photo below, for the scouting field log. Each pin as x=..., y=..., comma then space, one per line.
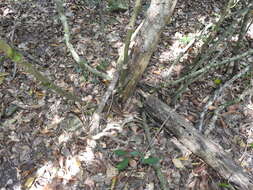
x=210, y=152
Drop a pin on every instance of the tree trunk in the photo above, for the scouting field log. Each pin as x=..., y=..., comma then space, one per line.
x=147, y=38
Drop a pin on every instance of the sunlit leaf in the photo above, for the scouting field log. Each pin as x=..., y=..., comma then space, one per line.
x=157, y=72
x=39, y=94
x=177, y=163
x=29, y=182
x=183, y=158
x=217, y=81
x=17, y=57
x=185, y=39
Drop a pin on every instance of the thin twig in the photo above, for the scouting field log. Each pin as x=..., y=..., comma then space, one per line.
x=97, y=115
x=120, y=62
x=82, y=63
x=243, y=30
x=211, y=126
x=184, y=50
x=217, y=94
x=131, y=33
x=111, y=127
x=211, y=36
x=188, y=82
x=211, y=65
x=204, y=55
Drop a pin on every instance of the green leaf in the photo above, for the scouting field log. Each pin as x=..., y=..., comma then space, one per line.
x=9, y=51
x=150, y=160
x=120, y=152
x=17, y=57
x=12, y=54
x=185, y=39
x=117, y=5
x=135, y=153
x=251, y=145
x=123, y=164
x=224, y=185
x=217, y=81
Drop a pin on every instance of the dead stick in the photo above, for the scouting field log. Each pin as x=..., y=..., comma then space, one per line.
x=211, y=153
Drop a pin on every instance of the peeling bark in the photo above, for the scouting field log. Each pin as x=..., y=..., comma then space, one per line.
x=211, y=153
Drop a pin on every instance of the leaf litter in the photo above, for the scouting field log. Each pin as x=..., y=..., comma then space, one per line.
x=43, y=140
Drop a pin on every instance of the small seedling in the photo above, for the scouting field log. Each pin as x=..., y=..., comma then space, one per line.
x=150, y=160
x=127, y=156
x=225, y=185
x=217, y=81
x=185, y=39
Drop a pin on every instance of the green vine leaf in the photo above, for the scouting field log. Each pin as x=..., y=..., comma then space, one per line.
x=120, y=152
x=225, y=185
x=135, y=153
x=123, y=164
x=217, y=81
x=17, y=57
x=150, y=160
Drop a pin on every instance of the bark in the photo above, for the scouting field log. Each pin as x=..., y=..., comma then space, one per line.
x=158, y=15
x=206, y=149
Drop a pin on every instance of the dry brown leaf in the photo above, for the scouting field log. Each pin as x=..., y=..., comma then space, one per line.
x=211, y=108
x=111, y=172
x=191, y=118
x=233, y=108
x=133, y=163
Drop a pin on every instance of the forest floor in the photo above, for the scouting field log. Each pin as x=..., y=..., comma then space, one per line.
x=43, y=136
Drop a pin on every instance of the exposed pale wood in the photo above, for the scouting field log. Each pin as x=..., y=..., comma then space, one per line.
x=158, y=15
x=210, y=152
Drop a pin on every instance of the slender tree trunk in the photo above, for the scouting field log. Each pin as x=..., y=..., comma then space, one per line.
x=144, y=44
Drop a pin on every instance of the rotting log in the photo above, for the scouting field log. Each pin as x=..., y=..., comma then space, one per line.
x=144, y=44
x=210, y=152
